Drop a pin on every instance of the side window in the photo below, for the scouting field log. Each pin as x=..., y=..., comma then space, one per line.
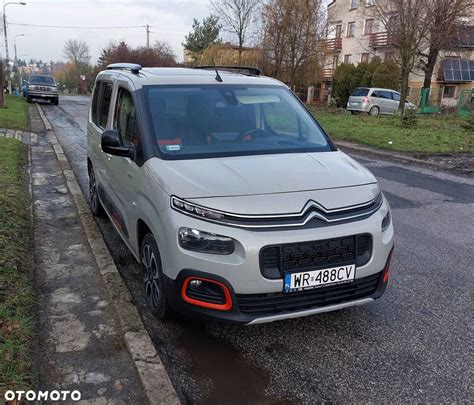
x=283, y=120
x=375, y=93
x=105, y=104
x=125, y=121
x=396, y=96
x=386, y=95
x=95, y=101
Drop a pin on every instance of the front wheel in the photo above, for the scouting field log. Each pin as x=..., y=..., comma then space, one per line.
x=28, y=99
x=55, y=101
x=374, y=111
x=96, y=206
x=153, y=279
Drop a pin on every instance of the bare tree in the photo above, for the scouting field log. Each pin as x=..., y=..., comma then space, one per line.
x=2, y=96
x=444, y=18
x=406, y=25
x=76, y=51
x=237, y=17
x=292, y=33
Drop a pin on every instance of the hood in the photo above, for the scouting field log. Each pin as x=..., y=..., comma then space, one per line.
x=256, y=175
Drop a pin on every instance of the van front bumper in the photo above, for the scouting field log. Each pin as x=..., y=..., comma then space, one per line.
x=261, y=308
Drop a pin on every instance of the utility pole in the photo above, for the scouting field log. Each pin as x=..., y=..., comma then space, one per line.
x=147, y=28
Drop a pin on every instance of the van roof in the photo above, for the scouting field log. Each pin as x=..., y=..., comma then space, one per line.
x=174, y=75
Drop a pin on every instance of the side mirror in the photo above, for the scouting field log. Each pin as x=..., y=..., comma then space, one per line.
x=112, y=144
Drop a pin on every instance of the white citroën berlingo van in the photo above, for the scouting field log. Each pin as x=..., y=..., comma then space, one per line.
x=233, y=199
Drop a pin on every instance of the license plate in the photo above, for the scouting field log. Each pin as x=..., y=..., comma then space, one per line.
x=318, y=278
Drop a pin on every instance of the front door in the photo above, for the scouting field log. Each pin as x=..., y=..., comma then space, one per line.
x=125, y=172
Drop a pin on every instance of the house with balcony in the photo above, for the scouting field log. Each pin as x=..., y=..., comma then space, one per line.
x=355, y=36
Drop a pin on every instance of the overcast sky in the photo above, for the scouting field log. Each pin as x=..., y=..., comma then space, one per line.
x=170, y=21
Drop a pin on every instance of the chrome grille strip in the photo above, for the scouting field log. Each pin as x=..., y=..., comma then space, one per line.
x=311, y=211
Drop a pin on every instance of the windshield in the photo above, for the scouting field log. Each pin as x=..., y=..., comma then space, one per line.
x=227, y=120
x=48, y=80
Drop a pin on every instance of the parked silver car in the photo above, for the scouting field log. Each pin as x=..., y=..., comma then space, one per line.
x=233, y=199
x=375, y=101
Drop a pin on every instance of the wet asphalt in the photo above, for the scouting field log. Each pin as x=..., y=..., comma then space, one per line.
x=414, y=344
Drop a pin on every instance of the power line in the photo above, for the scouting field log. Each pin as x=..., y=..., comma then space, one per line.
x=77, y=27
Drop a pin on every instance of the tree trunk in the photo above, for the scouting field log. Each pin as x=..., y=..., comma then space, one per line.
x=404, y=87
x=2, y=99
x=430, y=65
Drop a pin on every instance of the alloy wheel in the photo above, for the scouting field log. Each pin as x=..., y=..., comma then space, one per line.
x=151, y=277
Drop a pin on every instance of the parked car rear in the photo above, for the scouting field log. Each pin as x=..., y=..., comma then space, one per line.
x=41, y=87
x=375, y=101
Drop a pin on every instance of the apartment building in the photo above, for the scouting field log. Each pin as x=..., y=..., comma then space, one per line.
x=354, y=35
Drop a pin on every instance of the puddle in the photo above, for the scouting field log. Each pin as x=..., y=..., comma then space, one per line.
x=235, y=381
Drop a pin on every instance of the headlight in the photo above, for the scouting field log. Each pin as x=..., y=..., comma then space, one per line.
x=194, y=210
x=386, y=221
x=205, y=242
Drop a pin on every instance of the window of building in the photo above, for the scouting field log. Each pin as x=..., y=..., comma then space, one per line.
x=369, y=26
x=449, y=91
x=339, y=31
x=125, y=119
x=388, y=55
x=364, y=58
x=105, y=103
x=354, y=4
x=347, y=59
x=351, y=29
x=369, y=2
x=336, y=61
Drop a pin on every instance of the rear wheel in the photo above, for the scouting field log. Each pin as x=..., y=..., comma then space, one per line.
x=95, y=204
x=374, y=111
x=28, y=99
x=153, y=279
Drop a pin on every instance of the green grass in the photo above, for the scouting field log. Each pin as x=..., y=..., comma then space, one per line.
x=16, y=293
x=430, y=135
x=15, y=113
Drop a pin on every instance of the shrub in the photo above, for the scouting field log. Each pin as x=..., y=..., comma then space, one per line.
x=409, y=119
x=387, y=75
x=469, y=124
x=345, y=82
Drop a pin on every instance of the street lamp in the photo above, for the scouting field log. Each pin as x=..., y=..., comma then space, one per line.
x=21, y=3
x=14, y=46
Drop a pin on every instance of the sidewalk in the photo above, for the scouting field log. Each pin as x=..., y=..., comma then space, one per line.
x=80, y=338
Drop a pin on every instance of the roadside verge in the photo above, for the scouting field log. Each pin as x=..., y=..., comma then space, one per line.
x=153, y=376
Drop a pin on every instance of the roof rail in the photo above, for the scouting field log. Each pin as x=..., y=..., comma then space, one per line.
x=133, y=67
x=245, y=70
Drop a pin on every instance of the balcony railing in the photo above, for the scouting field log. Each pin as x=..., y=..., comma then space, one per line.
x=334, y=44
x=380, y=39
x=327, y=74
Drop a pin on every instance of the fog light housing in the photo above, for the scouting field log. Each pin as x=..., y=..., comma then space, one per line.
x=205, y=242
x=206, y=293
x=386, y=221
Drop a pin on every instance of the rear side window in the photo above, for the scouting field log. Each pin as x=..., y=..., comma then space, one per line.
x=360, y=92
x=386, y=94
x=396, y=96
x=105, y=103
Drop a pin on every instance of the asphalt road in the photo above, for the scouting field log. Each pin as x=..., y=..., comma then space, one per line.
x=415, y=344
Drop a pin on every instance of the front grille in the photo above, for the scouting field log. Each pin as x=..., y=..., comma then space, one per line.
x=275, y=260
x=273, y=303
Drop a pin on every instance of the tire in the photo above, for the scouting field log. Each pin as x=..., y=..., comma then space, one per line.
x=55, y=101
x=28, y=99
x=374, y=111
x=153, y=279
x=94, y=202
x=353, y=112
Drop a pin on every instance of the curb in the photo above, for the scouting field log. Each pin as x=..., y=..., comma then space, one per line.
x=153, y=376
x=365, y=150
